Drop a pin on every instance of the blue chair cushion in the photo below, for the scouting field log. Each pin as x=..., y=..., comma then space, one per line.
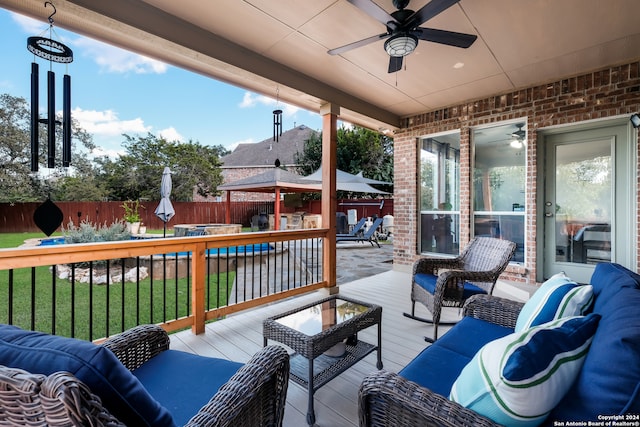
x=184, y=382
x=612, y=362
x=518, y=379
x=428, y=283
x=121, y=392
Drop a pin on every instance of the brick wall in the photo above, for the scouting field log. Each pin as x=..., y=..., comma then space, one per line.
x=607, y=93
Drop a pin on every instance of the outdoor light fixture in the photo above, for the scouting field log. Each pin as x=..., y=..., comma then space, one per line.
x=516, y=143
x=635, y=120
x=401, y=44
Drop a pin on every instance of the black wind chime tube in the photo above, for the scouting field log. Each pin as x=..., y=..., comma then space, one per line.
x=66, y=121
x=51, y=119
x=35, y=101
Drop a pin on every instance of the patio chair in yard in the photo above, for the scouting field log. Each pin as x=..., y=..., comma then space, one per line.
x=134, y=379
x=474, y=271
x=371, y=235
x=357, y=229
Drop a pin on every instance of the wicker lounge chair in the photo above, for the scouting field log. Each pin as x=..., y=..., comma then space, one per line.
x=370, y=235
x=254, y=395
x=475, y=271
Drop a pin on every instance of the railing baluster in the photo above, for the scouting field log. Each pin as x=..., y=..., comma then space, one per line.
x=53, y=299
x=93, y=307
x=33, y=298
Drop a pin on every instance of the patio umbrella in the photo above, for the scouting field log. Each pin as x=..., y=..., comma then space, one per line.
x=165, y=210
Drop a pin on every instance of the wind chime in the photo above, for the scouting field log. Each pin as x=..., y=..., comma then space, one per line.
x=277, y=119
x=48, y=216
x=53, y=51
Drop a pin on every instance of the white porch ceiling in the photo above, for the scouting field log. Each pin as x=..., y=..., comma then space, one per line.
x=269, y=45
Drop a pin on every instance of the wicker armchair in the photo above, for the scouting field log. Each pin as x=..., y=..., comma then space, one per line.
x=387, y=399
x=474, y=272
x=254, y=395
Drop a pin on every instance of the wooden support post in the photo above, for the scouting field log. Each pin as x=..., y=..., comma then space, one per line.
x=329, y=202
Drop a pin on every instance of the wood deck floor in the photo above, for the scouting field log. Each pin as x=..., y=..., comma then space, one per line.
x=239, y=336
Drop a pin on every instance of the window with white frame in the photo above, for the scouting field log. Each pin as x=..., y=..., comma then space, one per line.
x=440, y=194
x=499, y=172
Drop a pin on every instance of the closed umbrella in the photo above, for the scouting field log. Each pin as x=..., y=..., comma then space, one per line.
x=165, y=210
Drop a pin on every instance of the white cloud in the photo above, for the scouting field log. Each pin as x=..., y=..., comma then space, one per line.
x=250, y=100
x=29, y=25
x=102, y=152
x=115, y=60
x=171, y=134
x=107, y=123
x=234, y=145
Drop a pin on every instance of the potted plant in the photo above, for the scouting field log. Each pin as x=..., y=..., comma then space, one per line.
x=132, y=215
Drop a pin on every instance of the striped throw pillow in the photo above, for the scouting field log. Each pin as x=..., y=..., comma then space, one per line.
x=518, y=379
x=557, y=297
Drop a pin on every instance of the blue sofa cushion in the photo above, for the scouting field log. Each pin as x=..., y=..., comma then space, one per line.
x=612, y=362
x=435, y=368
x=518, y=379
x=470, y=334
x=121, y=392
x=558, y=297
x=184, y=382
x=428, y=283
x=438, y=365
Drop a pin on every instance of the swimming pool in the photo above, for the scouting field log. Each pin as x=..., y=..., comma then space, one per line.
x=240, y=249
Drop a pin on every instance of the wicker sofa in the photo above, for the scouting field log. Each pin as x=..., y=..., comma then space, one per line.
x=606, y=385
x=134, y=379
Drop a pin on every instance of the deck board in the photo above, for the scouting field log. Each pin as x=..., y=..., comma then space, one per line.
x=239, y=336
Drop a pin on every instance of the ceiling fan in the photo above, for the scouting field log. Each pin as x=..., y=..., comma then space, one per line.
x=404, y=31
x=518, y=136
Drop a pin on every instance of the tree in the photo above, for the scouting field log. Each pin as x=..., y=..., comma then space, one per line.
x=358, y=149
x=17, y=182
x=136, y=174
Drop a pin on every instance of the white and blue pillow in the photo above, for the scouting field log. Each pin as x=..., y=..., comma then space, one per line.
x=518, y=379
x=558, y=297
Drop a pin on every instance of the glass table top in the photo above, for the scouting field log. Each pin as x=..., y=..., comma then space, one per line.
x=317, y=318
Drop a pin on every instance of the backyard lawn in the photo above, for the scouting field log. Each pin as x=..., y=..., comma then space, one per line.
x=36, y=299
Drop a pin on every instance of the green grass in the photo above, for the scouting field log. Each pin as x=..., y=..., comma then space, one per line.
x=125, y=305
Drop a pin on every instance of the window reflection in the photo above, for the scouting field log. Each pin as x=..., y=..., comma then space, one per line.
x=440, y=194
x=499, y=183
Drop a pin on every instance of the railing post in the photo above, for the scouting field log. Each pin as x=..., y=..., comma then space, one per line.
x=198, y=269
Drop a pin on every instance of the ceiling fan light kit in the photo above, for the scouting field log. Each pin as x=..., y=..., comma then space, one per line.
x=401, y=45
x=404, y=31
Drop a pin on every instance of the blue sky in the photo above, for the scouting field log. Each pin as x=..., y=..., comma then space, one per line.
x=115, y=92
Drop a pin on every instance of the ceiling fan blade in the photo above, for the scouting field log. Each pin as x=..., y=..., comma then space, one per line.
x=395, y=63
x=450, y=38
x=374, y=11
x=428, y=11
x=364, y=42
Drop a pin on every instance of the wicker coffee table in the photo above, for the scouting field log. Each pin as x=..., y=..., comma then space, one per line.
x=314, y=329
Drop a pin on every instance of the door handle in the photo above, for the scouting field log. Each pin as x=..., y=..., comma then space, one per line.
x=548, y=214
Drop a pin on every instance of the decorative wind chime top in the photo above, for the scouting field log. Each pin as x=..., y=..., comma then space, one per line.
x=47, y=48
x=48, y=216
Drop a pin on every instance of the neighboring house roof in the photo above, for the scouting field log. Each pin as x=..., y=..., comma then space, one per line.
x=266, y=152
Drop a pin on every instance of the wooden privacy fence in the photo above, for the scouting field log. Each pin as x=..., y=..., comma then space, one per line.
x=18, y=217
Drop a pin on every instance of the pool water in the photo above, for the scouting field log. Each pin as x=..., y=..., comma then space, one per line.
x=241, y=249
